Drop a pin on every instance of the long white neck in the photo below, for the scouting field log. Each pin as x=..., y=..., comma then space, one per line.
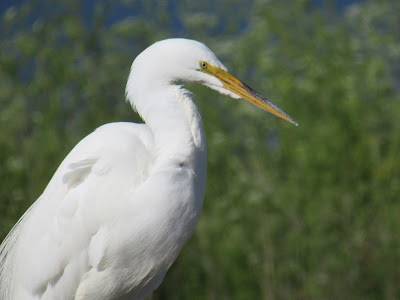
x=172, y=116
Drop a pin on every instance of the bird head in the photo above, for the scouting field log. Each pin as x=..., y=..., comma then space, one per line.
x=180, y=60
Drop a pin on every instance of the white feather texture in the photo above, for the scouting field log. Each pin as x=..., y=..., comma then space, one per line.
x=120, y=207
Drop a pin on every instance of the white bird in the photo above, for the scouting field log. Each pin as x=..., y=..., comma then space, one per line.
x=118, y=210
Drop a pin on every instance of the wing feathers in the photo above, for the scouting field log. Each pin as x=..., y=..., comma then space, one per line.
x=79, y=171
x=62, y=237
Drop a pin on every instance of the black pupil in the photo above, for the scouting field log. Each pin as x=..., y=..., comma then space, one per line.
x=204, y=65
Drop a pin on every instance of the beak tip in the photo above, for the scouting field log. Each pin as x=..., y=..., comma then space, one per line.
x=290, y=120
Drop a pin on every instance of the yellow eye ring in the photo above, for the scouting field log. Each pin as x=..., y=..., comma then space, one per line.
x=203, y=65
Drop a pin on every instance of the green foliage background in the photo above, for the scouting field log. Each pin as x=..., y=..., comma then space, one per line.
x=290, y=213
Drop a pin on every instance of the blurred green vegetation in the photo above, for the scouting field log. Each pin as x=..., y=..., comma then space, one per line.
x=290, y=213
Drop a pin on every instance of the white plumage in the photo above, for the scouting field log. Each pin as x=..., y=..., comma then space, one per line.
x=122, y=204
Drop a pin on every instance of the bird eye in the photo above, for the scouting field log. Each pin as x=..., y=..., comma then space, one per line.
x=203, y=65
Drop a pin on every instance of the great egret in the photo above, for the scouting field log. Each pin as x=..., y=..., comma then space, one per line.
x=121, y=205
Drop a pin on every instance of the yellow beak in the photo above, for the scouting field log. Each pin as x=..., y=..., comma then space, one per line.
x=239, y=88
